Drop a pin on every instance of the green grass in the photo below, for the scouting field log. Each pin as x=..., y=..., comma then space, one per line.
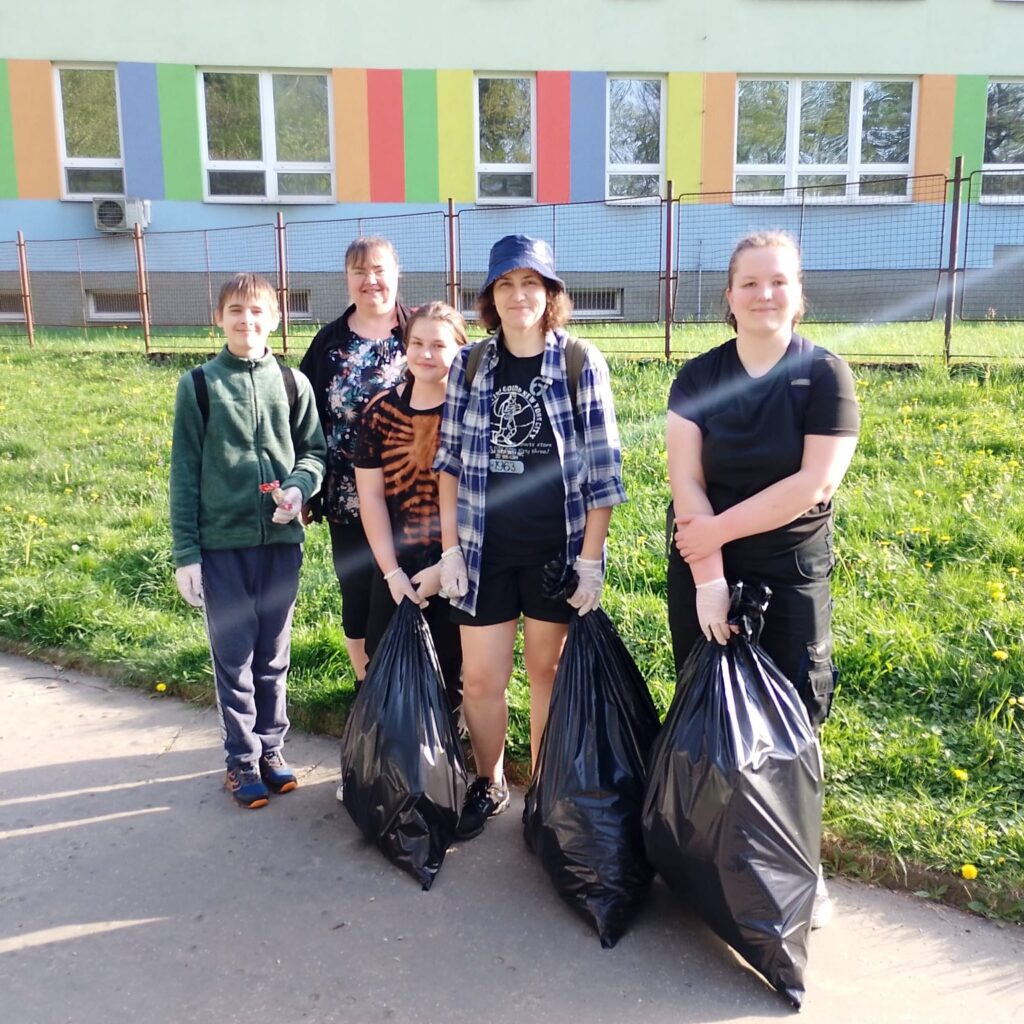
x=903, y=342
x=925, y=750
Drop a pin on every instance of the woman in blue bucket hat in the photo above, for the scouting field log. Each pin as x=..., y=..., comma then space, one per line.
x=530, y=469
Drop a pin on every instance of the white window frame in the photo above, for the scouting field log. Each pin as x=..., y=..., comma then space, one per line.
x=482, y=168
x=269, y=165
x=82, y=162
x=792, y=169
x=1017, y=168
x=627, y=169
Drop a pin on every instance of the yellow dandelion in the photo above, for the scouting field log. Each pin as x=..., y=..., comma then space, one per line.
x=969, y=871
x=1000, y=655
x=160, y=687
x=960, y=774
x=1013, y=570
x=1012, y=702
x=945, y=538
x=69, y=490
x=928, y=565
x=918, y=493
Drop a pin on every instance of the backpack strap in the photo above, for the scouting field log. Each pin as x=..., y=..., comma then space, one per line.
x=203, y=392
x=575, y=358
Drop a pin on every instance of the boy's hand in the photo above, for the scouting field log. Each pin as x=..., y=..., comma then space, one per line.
x=189, y=579
x=289, y=506
x=428, y=581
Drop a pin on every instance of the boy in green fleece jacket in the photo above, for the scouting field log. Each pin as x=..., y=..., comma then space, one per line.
x=247, y=453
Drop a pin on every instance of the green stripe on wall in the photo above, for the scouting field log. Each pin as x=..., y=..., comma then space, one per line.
x=8, y=173
x=969, y=113
x=179, y=131
x=419, y=101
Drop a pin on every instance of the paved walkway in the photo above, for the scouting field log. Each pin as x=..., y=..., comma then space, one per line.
x=132, y=890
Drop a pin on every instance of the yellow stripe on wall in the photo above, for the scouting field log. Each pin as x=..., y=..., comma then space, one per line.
x=456, y=170
x=683, y=131
x=34, y=127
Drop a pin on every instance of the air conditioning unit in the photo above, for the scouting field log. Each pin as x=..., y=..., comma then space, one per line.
x=120, y=214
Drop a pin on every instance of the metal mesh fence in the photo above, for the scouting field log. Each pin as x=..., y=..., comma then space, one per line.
x=185, y=269
x=12, y=314
x=866, y=260
x=992, y=282
x=316, y=261
x=862, y=262
x=610, y=255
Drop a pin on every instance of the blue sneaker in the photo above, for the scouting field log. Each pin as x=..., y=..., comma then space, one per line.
x=245, y=785
x=276, y=774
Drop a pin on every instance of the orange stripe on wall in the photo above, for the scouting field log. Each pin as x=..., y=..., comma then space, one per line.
x=719, y=146
x=351, y=136
x=34, y=127
x=553, y=136
x=936, y=102
x=387, y=136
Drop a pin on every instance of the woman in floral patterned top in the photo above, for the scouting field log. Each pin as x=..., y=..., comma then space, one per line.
x=348, y=362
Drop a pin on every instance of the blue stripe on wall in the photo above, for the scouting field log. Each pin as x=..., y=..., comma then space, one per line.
x=140, y=130
x=588, y=99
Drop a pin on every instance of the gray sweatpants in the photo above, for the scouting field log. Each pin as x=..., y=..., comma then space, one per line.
x=249, y=597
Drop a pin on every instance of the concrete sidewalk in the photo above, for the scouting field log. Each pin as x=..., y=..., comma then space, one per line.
x=132, y=890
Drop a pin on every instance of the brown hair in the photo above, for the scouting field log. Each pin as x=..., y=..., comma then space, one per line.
x=248, y=287
x=556, y=313
x=359, y=250
x=439, y=311
x=764, y=240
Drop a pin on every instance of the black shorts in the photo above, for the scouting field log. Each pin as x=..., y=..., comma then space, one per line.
x=355, y=568
x=509, y=589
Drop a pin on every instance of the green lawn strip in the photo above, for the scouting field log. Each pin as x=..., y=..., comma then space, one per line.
x=925, y=752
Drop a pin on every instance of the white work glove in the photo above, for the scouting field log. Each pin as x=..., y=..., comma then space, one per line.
x=401, y=588
x=428, y=581
x=713, y=610
x=189, y=579
x=587, y=594
x=289, y=505
x=454, y=577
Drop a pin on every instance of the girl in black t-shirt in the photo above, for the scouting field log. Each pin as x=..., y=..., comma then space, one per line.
x=760, y=433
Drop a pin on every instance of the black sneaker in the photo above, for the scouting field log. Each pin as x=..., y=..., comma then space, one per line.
x=276, y=774
x=245, y=785
x=483, y=800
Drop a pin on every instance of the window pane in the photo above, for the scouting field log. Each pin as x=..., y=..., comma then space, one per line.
x=634, y=121
x=882, y=185
x=506, y=186
x=89, y=102
x=237, y=183
x=824, y=122
x=300, y=118
x=1004, y=129
x=1002, y=185
x=633, y=186
x=761, y=130
x=885, y=130
x=232, y=116
x=290, y=183
x=823, y=186
x=768, y=185
x=95, y=180
x=505, y=121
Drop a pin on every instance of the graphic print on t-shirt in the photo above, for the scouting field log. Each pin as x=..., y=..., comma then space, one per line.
x=516, y=421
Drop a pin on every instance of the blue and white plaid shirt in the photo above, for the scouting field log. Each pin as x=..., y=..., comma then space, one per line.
x=590, y=456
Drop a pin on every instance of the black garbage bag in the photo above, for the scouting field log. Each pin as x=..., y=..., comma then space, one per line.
x=732, y=814
x=402, y=767
x=583, y=807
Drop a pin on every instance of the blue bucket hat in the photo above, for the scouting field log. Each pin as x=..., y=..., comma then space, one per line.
x=521, y=252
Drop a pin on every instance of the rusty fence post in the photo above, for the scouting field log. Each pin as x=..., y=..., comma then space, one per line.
x=954, y=252
x=669, y=311
x=282, y=280
x=453, y=273
x=140, y=273
x=26, y=290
